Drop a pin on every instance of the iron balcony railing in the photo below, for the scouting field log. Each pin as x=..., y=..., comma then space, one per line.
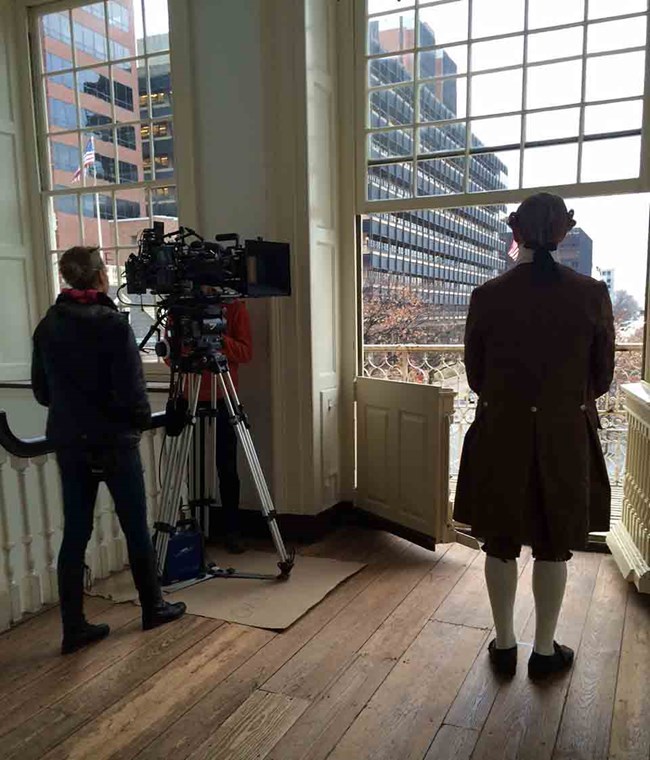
x=444, y=365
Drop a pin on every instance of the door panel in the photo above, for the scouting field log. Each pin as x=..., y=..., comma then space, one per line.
x=403, y=454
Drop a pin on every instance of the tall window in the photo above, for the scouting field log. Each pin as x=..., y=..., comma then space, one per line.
x=102, y=80
x=472, y=98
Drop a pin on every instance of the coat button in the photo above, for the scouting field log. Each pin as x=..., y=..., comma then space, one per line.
x=533, y=408
x=485, y=403
x=583, y=407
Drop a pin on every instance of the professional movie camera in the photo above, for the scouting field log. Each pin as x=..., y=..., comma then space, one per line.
x=193, y=280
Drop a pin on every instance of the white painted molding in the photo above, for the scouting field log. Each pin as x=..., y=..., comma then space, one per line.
x=628, y=558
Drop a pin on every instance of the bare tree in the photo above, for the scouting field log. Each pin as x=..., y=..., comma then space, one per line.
x=395, y=314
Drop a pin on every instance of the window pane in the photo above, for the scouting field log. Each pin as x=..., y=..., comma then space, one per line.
x=156, y=16
x=443, y=62
x=615, y=76
x=443, y=99
x=65, y=160
x=613, y=117
x=89, y=29
x=94, y=87
x=616, y=35
x=490, y=20
x=64, y=221
x=494, y=171
x=553, y=165
x=443, y=24
x=397, y=68
x=496, y=93
x=611, y=159
x=543, y=13
x=98, y=221
x=164, y=206
x=502, y=130
x=441, y=176
x=442, y=139
x=53, y=62
x=132, y=215
x=381, y=6
x=498, y=53
x=390, y=181
x=395, y=143
x=391, y=107
x=608, y=8
x=546, y=46
x=552, y=125
x=392, y=33
x=56, y=41
x=557, y=84
x=61, y=115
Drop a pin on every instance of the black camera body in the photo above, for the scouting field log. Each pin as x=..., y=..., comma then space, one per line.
x=194, y=278
x=167, y=265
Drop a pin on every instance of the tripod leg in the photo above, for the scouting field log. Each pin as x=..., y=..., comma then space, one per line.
x=235, y=412
x=176, y=478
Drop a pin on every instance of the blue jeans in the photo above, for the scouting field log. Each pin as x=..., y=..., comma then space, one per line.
x=124, y=479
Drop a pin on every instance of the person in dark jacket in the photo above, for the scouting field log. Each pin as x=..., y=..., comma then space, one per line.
x=539, y=350
x=86, y=369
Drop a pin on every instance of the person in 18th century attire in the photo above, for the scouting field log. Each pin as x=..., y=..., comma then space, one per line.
x=539, y=350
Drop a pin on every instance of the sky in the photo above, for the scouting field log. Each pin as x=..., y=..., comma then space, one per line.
x=156, y=15
x=618, y=225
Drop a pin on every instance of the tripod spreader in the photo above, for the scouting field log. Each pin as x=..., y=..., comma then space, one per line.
x=177, y=461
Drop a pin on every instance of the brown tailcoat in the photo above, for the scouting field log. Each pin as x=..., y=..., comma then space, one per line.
x=538, y=355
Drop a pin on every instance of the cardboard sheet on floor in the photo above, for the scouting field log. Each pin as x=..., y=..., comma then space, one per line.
x=262, y=604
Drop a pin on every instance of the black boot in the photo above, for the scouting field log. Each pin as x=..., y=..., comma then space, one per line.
x=155, y=610
x=77, y=632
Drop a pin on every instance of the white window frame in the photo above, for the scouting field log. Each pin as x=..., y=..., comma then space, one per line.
x=183, y=129
x=364, y=206
x=84, y=188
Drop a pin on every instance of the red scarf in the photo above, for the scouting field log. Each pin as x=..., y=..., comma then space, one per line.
x=81, y=296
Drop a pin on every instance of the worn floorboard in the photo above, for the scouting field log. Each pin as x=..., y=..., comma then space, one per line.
x=391, y=665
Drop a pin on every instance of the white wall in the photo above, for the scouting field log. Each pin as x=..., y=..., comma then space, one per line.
x=230, y=166
x=265, y=162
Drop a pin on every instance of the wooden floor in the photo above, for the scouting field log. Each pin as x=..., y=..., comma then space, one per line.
x=390, y=666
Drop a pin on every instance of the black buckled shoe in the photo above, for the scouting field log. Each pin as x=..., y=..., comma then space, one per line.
x=504, y=661
x=541, y=665
x=79, y=637
x=161, y=613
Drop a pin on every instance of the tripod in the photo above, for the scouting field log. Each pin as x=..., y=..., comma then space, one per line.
x=177, y=460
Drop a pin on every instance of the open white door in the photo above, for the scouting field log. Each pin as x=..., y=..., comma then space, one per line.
x=403, y=455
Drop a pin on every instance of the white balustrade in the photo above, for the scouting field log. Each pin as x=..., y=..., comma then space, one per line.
x=629, y=540
x=49, y=529
x=444, y=365
x=31, y=528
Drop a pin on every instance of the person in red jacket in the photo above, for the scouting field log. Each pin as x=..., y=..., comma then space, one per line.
x=238, y=349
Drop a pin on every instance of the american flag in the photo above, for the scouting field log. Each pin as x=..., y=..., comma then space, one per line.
x=87, y=160
x=513, y=252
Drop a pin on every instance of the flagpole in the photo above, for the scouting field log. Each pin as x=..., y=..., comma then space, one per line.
x=99, y=219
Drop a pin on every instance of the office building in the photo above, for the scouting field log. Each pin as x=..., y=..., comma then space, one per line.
x=439, y=255
x=607, y=276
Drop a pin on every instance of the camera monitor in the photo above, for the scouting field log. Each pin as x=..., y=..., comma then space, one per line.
x=268, y=269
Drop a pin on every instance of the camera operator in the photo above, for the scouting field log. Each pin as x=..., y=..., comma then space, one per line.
x=238, y=349
x=86, y=369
